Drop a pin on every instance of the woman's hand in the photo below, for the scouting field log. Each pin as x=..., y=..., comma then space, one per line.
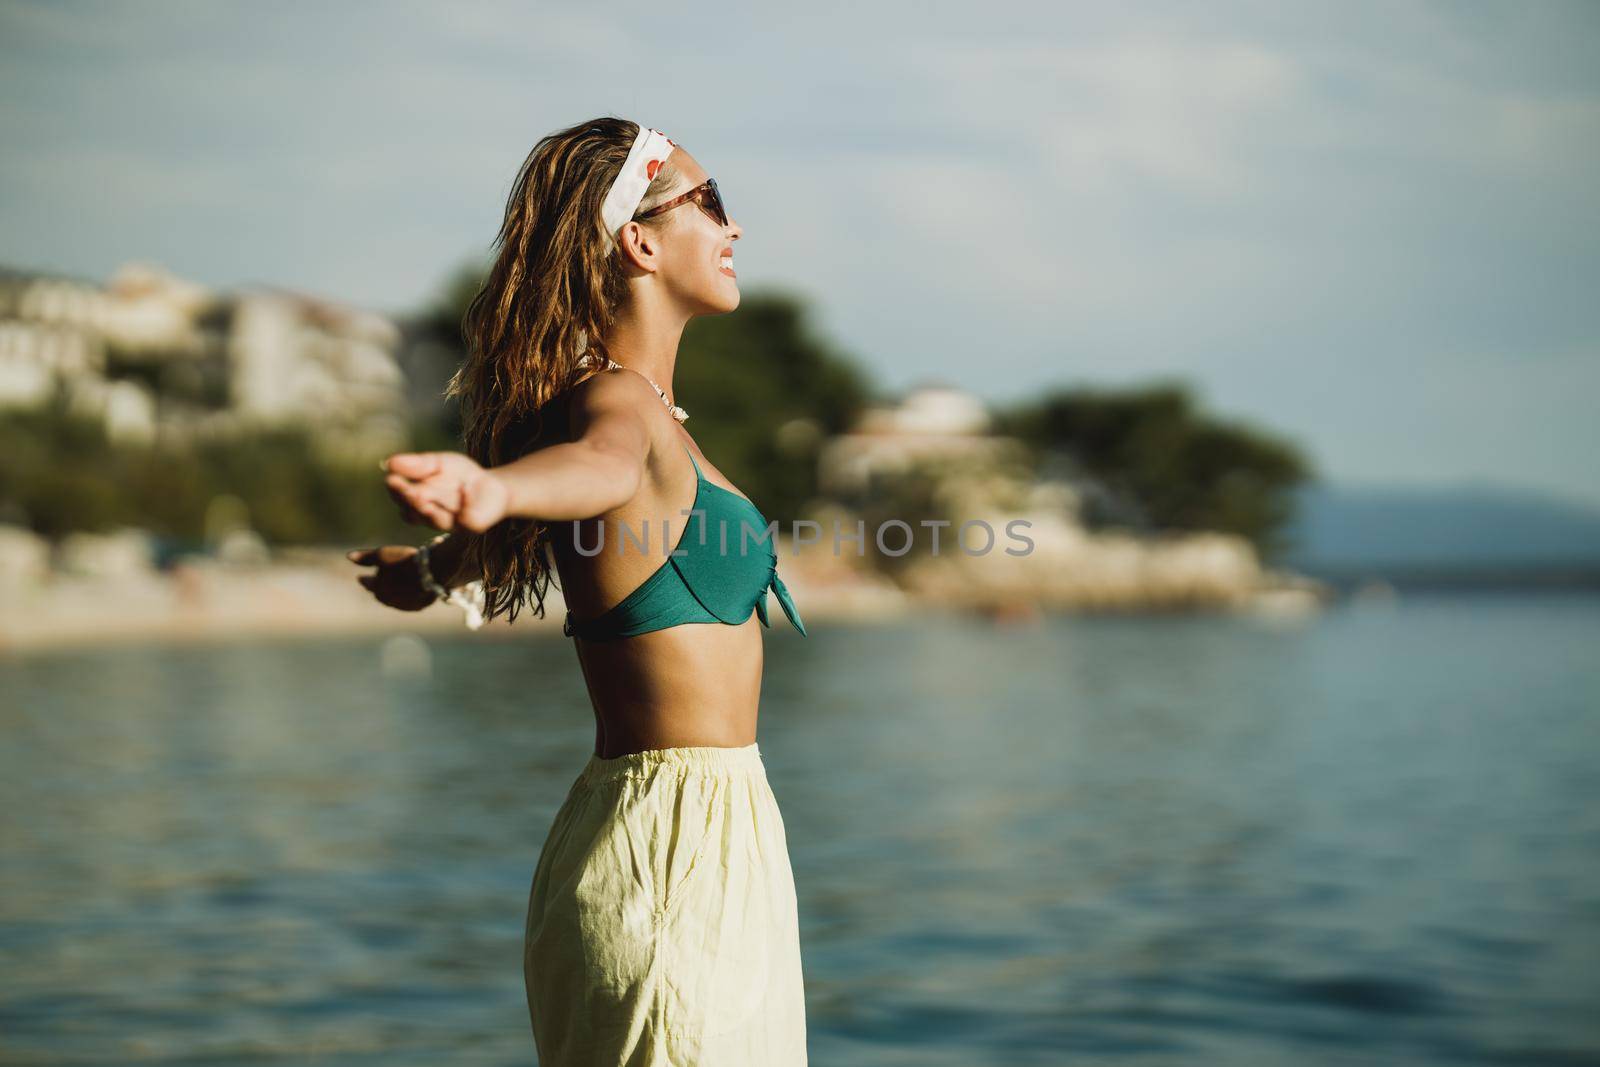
x=446, y=490
x=397, y=582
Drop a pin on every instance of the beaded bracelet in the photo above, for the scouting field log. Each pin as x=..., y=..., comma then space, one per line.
x=429, y=582
x=469, y=598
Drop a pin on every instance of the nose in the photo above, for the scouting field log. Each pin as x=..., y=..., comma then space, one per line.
x=735, y=231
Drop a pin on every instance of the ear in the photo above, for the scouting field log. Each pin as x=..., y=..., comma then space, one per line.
x=639, y=246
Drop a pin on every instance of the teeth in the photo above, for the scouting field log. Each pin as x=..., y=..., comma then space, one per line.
x=727, y=261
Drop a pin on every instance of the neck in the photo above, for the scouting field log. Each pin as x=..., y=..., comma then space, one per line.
x=644, y=337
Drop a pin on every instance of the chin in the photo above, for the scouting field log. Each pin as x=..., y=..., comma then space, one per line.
x=719, y=299
x=725, y=301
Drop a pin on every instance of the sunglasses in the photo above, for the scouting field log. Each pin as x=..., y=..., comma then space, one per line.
x=705, y=196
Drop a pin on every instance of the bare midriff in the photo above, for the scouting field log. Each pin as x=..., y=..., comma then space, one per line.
x=691, y=684
x=687, y=685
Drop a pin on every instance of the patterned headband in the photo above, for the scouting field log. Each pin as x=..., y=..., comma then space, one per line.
x=650, y=149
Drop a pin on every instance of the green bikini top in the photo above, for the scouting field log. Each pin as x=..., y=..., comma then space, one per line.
x=719, y=571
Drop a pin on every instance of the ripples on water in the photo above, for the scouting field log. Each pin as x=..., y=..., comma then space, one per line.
x=1371, y=838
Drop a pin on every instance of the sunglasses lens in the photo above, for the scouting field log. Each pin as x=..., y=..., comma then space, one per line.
x=714, y=199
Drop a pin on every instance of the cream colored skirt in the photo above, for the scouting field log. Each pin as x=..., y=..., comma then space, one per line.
x=661, y=923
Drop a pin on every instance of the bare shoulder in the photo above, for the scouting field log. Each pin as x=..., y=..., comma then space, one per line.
x=616, y=410
x=611, y=391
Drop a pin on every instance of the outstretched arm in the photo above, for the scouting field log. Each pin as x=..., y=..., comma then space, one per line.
x=600, y=469
x=603, y=465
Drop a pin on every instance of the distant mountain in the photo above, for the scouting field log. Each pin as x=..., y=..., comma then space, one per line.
x=1346, y=529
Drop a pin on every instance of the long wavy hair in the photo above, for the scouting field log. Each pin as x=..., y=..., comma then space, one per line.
x=553, y=291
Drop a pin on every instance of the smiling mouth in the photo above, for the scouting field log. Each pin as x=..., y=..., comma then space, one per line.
x=726, y=266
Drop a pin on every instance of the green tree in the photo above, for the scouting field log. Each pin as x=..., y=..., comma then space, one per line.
x=1162, y=464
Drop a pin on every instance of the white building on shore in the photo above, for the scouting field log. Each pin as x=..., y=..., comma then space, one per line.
x=155, y=356
x=1037, y=550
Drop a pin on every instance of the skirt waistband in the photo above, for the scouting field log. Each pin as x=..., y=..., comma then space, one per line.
x=713, y=759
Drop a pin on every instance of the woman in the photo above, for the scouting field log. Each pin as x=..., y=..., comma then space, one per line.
x=661, y=922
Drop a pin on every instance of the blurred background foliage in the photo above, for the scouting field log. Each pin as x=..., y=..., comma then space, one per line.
x=765, y=394
x=62, y=474
x=1155, y=462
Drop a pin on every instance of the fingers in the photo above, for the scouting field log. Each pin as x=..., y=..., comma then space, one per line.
x=426, y=512
x=408, y=493
x=414, y=464
x=426, y=500
x=436, y=481
x=438, y=516
x=382, y=556
x=407, y=512
x=416, y=483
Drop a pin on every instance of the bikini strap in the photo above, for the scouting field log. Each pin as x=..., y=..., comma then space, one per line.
x=697, y=473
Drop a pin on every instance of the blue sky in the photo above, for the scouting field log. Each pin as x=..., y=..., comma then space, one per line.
x=1371, y=227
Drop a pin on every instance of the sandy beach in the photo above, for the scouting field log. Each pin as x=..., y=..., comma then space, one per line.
x=301, y=592
x=203, y=600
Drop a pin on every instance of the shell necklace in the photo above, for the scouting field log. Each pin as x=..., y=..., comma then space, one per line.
x=611, y=364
